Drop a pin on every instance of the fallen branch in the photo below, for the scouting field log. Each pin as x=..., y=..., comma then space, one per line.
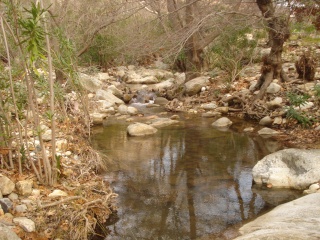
x=62, y=201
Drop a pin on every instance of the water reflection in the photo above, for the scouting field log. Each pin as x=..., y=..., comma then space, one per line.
x=185, y=182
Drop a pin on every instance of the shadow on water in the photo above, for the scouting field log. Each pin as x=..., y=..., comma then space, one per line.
x=189, y=181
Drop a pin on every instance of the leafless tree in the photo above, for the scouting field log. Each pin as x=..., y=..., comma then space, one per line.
x=278, y=29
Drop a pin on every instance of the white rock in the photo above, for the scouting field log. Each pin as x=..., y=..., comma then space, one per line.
x=35, y=192
x=267, y=131
x=180, y=78
x=47, y=136
x=163, y=85
x=98, y=118
x=143, y=80
x=115, y=91
x=314, y=187
x=266, y=121
x=57, y=193
x=163, y=122
x=222, y=109
x=68, y=153
x=248, y=129
x=211, y=114
x=7, y=234
x=108, y=95
x=277, y=121
x=89, y=83
x=62, y=145
x=273, y=88
x=13, y=196
x=140, y=129
x=103, y=76
x=194, y=86
x=21, y=208
x=6, y=185
x=132, y=111
x=296, y=220
x=222, y=123
x=253, y=85
x=305, y=106
x=25, y=223
x=275, y=103
x=209, y=106
x=103, y=105
x=288, y=168
x=24, y=187
x=123, y=109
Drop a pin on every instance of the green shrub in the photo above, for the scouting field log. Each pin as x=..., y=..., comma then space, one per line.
x=233, y=50
x=102, y=51
x=296, y=101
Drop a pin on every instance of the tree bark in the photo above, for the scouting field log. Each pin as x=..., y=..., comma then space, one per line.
x=278, y=34
x=194, y=59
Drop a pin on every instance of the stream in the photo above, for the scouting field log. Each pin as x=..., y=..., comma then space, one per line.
x=188, y=181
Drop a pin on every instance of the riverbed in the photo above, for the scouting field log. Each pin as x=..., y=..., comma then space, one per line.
x=188, y=181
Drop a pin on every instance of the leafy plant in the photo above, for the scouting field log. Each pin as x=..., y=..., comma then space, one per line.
x=296, y=101
x=33, y=32
x=300, y=117
x=233, y=51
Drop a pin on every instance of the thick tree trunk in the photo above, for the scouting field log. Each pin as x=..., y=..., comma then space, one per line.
x=278, y=34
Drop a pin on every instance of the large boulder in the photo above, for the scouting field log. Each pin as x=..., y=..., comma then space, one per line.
x=90, y=83
x=140, y=129
x=288, y=168
x=298, y=219
x=108, y=95
x=194, y=86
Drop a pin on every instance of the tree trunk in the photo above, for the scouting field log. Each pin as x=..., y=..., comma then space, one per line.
x=194, y=59
x=278, y=34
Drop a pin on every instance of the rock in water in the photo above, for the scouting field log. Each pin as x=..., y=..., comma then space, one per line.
x=288, y=168
x=298, y=219
x=222, y=123
x=140, y=129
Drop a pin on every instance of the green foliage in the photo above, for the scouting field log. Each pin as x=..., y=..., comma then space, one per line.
x=302, y=27
x=102, y=51
x=317, y=90
x=58, y=161
x=23, y=153
x=300, y=117
x=33, y=32
x=296, y=101
x=233, y=50
x=49, y=115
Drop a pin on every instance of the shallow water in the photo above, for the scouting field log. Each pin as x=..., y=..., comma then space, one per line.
x=188, y=181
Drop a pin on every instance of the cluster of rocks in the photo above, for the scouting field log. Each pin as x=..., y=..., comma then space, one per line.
x=298, y=219
x=18, y=200
x=111, y=92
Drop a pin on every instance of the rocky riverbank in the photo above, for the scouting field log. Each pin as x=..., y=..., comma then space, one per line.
x=83, y=200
